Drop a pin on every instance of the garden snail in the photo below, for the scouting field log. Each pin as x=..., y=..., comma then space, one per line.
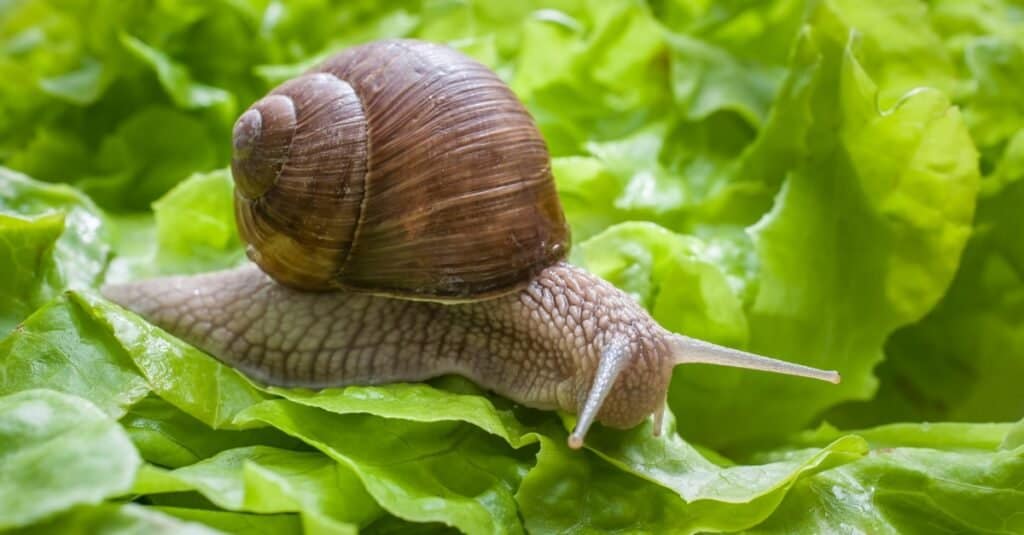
x=399, y=203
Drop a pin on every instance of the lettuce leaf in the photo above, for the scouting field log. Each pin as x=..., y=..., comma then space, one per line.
x=169, y=437
x=130, y=518
x=261, y=479
x=51, y=237
x=191, y=230
x=451, y=473
x=59, y=451
x=921, y=485
x=960, y=362
x=226, y=522
x=902, y=252
x=62, y=347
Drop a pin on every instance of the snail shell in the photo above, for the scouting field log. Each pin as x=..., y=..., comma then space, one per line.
x=401, y=168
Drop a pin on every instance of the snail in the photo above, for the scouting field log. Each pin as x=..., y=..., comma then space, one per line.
x=403, y=223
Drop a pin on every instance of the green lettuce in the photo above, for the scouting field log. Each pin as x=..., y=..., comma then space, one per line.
x=262, y=479
x=59, y=451
x=918, y=479
x=51, y=237
x=962, y=360
x=134, y=519
x=834, y=182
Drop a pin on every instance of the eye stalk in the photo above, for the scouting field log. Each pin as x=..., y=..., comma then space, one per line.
x=616, y=357
x=613, y=360
x=690, y=350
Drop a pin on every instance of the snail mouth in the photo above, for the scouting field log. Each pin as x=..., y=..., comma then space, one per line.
x=261, y=142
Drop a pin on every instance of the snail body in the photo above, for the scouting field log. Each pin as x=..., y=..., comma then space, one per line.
x=403, y=223
x=541, y=346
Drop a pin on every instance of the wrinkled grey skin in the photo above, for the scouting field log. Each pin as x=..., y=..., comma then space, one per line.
x=540, y=347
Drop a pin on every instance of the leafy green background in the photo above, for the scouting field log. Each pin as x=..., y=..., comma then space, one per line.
x=833, y=182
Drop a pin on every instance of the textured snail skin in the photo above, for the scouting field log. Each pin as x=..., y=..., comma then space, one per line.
x=540, y=347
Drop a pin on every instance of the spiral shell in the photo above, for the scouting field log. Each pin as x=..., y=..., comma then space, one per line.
x=399, y=168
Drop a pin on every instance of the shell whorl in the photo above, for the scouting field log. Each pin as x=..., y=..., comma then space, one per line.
x=401, y=168
x=261, y=140
x=301, y=178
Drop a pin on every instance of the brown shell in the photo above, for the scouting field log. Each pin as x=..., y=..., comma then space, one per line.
x=401, y=168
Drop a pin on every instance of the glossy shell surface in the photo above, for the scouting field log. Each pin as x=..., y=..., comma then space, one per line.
x=399, y=168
